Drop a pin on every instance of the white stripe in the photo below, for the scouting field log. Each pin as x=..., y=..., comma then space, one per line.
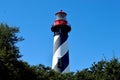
x=67, y=69
x=62, y=49
x=59, y=53
x=55, y=60
x=56, y=37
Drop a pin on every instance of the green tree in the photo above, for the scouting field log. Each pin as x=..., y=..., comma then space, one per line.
x=98, y=70
x=85, y=74
x=112, y=70
x=8, y=38
x=9, y=52
x=102, y=70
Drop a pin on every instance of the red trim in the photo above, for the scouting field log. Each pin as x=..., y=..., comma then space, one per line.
x=60, y=22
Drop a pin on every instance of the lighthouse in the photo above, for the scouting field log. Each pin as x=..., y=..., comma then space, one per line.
x=60, y=28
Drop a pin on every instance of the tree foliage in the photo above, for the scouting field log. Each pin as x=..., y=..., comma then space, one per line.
x=12, y=68
x=9, y=52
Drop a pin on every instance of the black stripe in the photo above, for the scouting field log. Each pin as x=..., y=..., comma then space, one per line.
x=61, y=39
x=64, y=63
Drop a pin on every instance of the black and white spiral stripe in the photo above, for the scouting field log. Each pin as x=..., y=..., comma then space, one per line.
x=60, y=61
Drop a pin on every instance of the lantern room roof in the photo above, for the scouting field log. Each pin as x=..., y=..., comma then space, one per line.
x=60, y=12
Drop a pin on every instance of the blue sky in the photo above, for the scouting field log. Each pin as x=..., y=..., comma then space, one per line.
x=95, y=29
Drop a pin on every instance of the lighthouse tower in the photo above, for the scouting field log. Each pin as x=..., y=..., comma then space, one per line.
x=60, y=62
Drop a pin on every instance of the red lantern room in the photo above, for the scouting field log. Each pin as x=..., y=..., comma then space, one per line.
x=60, y=18
x=60, y=23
